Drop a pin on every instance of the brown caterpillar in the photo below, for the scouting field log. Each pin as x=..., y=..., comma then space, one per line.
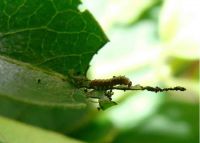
x=109, y=83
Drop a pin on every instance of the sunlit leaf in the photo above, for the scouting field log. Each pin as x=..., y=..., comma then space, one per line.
x=15, y=132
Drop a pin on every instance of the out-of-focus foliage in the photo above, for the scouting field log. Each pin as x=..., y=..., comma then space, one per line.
x=178, y=27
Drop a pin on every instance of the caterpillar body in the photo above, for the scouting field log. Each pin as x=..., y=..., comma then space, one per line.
x=109, y=83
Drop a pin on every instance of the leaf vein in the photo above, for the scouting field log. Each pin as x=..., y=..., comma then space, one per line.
x=60, y=56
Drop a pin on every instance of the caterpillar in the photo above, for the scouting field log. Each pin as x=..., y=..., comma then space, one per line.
x=109, y=83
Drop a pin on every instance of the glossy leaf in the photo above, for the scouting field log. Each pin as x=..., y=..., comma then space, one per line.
x=50, y=34
x=31, y=85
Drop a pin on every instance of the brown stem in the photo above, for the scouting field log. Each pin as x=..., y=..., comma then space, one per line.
x=148, y=88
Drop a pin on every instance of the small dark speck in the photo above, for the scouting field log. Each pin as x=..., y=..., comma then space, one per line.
x=64, y=79
x=39, y=81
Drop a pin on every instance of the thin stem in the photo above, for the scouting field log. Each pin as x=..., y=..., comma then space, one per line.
x=149, y=88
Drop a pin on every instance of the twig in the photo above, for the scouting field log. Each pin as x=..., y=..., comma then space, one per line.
x=106, y=84
x=149, y=88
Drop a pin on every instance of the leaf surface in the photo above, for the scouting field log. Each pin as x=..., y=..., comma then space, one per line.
x=39, y=42
x=15, y=132
x=51, y=34
x=32, y=85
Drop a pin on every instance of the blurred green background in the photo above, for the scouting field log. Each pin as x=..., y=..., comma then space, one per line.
x=155, y=43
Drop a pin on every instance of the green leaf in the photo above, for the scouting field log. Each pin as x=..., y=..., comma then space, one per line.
x=52, y=34
x=38, y=40
x=61, y=120
x=23, y=82
x=15, y=132
x=106, y=103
